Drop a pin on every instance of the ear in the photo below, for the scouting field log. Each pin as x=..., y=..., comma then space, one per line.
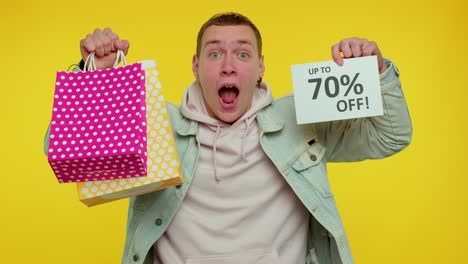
x=261, y=71
x=195, y=66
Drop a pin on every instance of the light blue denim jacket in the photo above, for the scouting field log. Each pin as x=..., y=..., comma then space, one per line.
x=300, y=153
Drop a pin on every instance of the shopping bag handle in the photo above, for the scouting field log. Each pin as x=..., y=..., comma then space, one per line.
x=90, y=62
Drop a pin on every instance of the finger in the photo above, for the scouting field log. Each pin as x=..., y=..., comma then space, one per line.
x=97, y=42
x=123, y=45
x=111, y=37
x=355, y=45
x=99, y=47
x=335, y=49
x=345, y=48
x=369, y=49
x=104, y=41
x=87, y=45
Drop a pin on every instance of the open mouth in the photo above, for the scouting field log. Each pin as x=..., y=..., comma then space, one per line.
x=228, y=95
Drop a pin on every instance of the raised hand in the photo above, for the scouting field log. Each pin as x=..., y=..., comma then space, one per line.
x=105, y=44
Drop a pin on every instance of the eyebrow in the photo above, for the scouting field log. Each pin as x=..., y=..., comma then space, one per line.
x=215, y=41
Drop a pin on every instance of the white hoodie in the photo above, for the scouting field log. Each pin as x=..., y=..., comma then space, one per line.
x=238, y=209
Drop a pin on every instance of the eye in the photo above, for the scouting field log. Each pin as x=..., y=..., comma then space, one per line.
x=244, y=55
x=215, y=54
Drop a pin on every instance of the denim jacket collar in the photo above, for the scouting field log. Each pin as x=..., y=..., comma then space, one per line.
x=187, y=127
x=269, y=120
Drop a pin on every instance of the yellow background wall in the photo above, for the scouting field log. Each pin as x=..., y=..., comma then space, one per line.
x=409, y=208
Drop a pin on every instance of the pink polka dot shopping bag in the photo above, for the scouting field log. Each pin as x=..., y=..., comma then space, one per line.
x=98, y=127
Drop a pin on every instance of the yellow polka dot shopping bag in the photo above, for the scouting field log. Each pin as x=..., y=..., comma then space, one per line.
x=162, y=159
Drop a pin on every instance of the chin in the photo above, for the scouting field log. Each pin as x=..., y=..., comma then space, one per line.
x=229, y=118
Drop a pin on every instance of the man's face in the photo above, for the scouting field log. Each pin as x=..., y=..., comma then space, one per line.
x=228, y=68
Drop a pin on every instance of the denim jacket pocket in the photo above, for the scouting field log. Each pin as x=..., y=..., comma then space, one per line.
x=311, y=165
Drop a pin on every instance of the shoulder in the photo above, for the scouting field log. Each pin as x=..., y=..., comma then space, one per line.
x=284, y=107
x=286, y=101
x=174, y=113
x=171, y=107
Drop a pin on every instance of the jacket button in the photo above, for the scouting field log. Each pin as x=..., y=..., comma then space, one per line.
x=313, y=157
x=136, y=257
x=158, y=222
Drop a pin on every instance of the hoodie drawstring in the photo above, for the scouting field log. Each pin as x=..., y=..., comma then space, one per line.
x=244, y=136
x=218, y=128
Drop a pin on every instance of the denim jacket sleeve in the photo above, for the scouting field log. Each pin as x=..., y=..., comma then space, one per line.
x=371, y=137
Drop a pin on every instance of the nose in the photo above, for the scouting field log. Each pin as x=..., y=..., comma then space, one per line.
x=228, y=68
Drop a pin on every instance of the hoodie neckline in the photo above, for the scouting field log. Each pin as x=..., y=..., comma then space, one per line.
x=193, y=107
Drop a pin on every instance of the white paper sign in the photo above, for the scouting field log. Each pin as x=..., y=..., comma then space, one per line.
x=324, y=91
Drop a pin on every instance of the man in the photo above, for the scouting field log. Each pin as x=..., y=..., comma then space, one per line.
x=256, y=187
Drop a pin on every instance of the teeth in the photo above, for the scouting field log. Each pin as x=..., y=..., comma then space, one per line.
x=228, y=86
